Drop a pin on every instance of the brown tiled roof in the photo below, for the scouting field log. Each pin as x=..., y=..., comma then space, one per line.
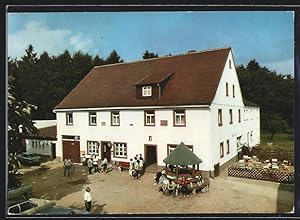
x=46, y=133
x=194, y=81
x=154, y=78
x=248, y=103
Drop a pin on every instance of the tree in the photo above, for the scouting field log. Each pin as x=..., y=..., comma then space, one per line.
x=113, y=57
x=148, y=55
x=19, y=123
x=276, y=124
x=271, y=91
x=97, y=61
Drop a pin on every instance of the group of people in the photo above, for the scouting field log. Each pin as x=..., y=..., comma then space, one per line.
x=95, y=164
x=182, y=184
x=137, y=166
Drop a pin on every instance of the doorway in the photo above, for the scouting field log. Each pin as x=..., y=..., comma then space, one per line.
x=150, y=154
x=216, y=169
x=53, y=151
x=106, y=150
x=71, y=149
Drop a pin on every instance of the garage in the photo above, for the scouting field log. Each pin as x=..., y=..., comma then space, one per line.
x=71, y=149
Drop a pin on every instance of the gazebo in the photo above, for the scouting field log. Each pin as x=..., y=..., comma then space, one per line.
x=183, y=156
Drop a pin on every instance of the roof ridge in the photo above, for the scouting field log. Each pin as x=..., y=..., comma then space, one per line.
x=164, y=57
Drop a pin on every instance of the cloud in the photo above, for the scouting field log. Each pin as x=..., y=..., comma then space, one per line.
x=79, y=43
x=282, y=67
x=54, y=41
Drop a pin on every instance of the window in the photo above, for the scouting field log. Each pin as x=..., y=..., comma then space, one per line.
x=147, y=91
x=228, y=148
x=221, y=150
x=179, y=118
x=93, y=147
x=230, y=116
x=149, y=118
x=92, y=118
x=14, y=209
x=239, y=115
x=115, y=118
x=220, y=117
x=172, y=147
x=69, y=118
x=233, y=92
x=27, y=205
x=227, y=94
x=120, y=150
x=229, y=64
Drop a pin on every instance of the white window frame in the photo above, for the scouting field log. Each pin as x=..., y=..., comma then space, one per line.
x=69, y=120
x=172, y=147
x=146, y=91
x=93, y=147
x=92, y=115
x=120, y=150
x=151, y=116
x=181, y=118
x=115, y=118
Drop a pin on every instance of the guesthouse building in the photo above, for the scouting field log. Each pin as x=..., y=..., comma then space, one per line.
x=150, y=106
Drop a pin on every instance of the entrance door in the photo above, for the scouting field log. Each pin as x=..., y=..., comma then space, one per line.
x=106, y=150
x=150, y=154
x=53, y=151
x=217, y=170
x=71, y=149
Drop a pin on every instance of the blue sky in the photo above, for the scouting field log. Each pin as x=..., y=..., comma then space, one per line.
x=266, y=36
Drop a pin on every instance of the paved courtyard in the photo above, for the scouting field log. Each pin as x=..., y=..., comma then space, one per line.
x=116, y=193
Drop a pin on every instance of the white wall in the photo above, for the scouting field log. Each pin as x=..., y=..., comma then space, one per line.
x=42, y=147
x=196, y=132
x=230, y=131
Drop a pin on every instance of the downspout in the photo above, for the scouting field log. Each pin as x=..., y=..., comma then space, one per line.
x=159, y=90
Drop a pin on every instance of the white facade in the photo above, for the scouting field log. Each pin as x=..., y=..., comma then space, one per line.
x=201, y=130
x=42, y=147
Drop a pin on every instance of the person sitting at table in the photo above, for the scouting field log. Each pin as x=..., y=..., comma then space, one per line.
x=172, y=188
x=165, y=186
x=171, y=168
x=157, y=176
x=184, y=186
x=161, y=180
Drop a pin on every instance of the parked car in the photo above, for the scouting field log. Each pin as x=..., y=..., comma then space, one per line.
x=29, y=207
x=19, y=194
x=27, y=158
x=59, y=210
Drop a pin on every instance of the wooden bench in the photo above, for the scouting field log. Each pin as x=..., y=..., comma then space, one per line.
x=124, y=165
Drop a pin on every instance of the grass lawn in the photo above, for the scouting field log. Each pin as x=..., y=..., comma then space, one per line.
x=281, y=141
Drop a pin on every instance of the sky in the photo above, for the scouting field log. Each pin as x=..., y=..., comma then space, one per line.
x=267, y=37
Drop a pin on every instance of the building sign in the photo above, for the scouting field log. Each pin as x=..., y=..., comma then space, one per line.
x=163, y=122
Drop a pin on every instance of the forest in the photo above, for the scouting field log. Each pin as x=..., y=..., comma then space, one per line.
x=45, y=80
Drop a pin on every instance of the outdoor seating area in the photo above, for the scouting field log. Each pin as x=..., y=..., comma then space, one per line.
x=269, y=170
x=185, y=184
x=180, y=175
x=254, y=162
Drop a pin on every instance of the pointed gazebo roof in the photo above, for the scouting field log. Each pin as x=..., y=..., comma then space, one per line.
x=182, y=155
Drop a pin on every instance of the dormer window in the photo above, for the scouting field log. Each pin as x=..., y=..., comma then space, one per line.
x=147, y=91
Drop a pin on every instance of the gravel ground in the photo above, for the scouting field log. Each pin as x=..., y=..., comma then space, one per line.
x=116, y=193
